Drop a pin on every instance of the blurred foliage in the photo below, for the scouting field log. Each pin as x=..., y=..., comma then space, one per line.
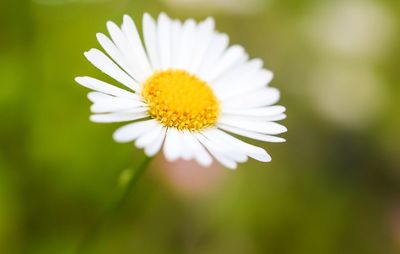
x=332, y=188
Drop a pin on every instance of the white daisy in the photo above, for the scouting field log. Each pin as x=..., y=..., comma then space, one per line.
x=186, y=89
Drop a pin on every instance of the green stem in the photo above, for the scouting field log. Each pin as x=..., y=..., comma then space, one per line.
x=128, y=180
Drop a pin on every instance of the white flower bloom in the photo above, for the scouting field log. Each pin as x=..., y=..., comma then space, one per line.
x=186, y=89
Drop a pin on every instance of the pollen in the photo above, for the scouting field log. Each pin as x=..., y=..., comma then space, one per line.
x=180, y=100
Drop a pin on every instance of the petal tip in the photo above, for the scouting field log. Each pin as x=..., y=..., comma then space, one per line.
x=118, y=138
x=147, y=16
x=78, y=79
x=99, y=36
x=89, y=52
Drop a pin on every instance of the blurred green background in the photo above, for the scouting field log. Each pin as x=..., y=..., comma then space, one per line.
x=332, y=188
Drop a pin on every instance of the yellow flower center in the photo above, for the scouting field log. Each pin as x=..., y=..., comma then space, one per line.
x=181, y=100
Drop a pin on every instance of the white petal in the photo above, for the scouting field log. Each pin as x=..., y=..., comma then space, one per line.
x=255, y=119
x=252, y=135
x=259, y=98
x=118, y=106
x=175, y=40
x=254, y=152
x=187, y=44
x=240, y=75
x=172, y=145
x=112, y=51
x=106, y=107
x=218, y=45
x=187, y=151
x=200, y=153
x=100, y=97
x=132, y=35
x=241, y=82
x=275, y=118
x=156, y=145
x=104, y=87
x=164, y=40
x=103, y=63
x=136, y=69
x=261, y=127
x=132, y=131
x=224, y=147
x=117, y=117
x=149, y=137
x=150, y=40
x=234, y=55
x=204, y=35
x=257, y=112
x=222, y=158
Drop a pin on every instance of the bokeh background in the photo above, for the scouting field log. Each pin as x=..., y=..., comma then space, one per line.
x=332, y=188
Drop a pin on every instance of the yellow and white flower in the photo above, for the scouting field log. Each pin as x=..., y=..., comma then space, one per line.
x=186, y=89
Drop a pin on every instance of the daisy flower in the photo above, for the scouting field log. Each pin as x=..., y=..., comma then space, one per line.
x=186, y=91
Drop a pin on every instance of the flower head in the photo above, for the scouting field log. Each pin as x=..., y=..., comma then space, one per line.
x=187, y=91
